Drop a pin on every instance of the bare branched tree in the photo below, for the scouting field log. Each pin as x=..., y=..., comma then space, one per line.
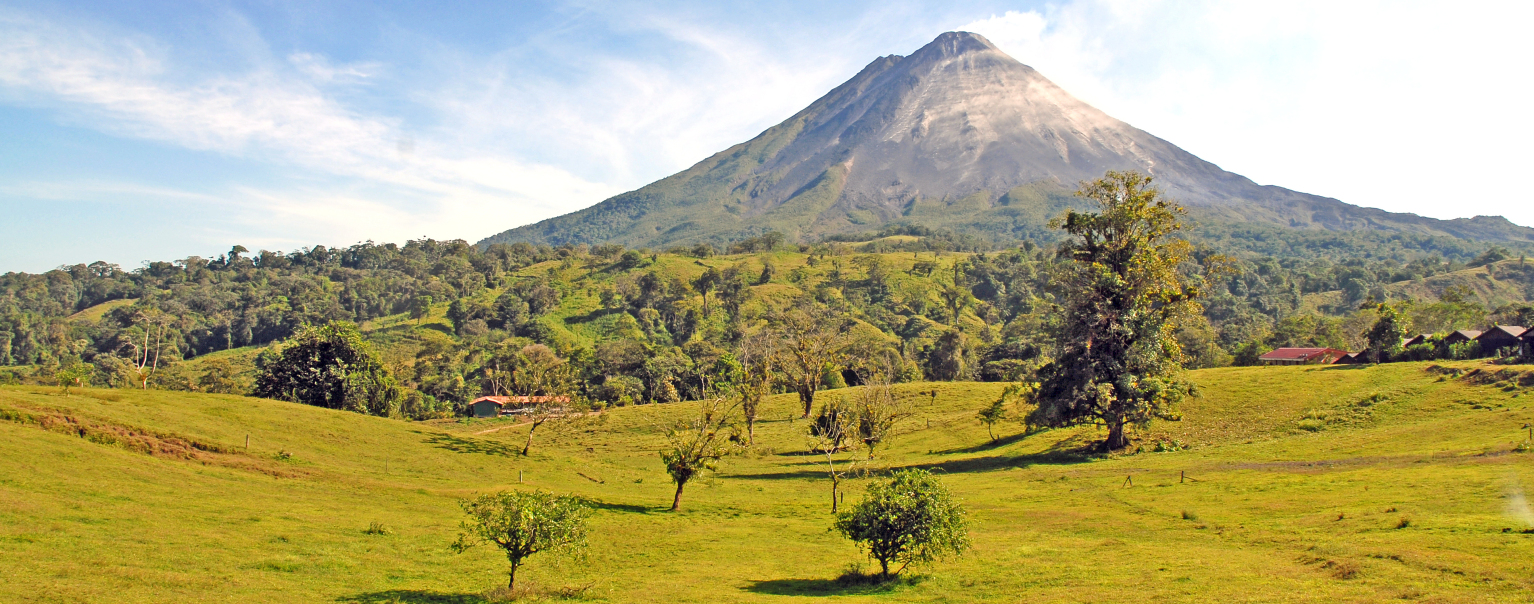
x=696, y=444
x=877, y=408
x=810, y=338
x=832, y=427
x=147, y=346
x=753, y=381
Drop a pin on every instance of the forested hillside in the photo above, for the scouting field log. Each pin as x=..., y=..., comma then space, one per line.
x=649, y=325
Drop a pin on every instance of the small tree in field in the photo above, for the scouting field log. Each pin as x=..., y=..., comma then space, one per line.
x=993, y=414
x=878, y=410
x=1011, y=396
x=523, y=524
x=911, y=519
x=835, y=423
x=696, y=444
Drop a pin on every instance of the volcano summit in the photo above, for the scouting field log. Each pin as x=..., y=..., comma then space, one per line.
x=957, y=135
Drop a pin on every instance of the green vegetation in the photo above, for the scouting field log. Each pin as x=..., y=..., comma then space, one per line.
x=910, y=519
x=523, y=524
x=330, y=367
x=131, y=495
x=1124, y=298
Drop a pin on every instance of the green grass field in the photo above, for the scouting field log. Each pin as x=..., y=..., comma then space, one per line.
x=1337, y=484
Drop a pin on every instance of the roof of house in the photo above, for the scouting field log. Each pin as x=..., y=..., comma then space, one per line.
x=502, y=401
x=1467, y=333
x=1512, y=331
x=1300, y=354
x=1416, y=339
x=1349, y=357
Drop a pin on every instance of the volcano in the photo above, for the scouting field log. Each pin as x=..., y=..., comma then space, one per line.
x=957, y=135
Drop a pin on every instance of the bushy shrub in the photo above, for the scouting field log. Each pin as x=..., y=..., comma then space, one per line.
x=909, y=519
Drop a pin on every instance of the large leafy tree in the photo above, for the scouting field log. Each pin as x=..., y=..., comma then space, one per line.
x=331, y=367
x=1124, y=296
x=524, y=524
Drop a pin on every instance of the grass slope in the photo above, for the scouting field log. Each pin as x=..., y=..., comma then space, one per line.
x=1298, y=478
x=1492, y=285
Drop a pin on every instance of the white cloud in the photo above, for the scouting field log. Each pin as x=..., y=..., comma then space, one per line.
x=123, y=86
x=1402, y=106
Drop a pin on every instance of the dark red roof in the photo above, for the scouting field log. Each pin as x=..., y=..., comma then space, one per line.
x=1500, y=331
x=1300, y=354
x=515, y=400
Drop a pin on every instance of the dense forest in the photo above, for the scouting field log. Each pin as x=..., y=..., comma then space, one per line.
x=652, y=325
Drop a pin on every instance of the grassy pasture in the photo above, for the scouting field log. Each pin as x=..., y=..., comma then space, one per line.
x=1351, y=484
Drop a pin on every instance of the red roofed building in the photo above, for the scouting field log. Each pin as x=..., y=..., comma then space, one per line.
x=1302, y=356
x=493, y=406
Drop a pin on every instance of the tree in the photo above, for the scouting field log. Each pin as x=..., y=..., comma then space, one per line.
x=1124, y=297
x=706, y=283
x=1013, y=395
x=147, y=344
x=993, y=414
x=956, y=298
x=538, y=372
x=696, y=444
x=523, y=524
x=1387, y=333
x=750, y=378
x=910, y=519
x=329, y=367
x=877, y=408
x=420, y=306
x=809, y=338
x=73, y=375
x=831, y=427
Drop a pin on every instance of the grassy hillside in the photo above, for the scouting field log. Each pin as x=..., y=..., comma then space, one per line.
x=1297, y=481
x=1492, y=286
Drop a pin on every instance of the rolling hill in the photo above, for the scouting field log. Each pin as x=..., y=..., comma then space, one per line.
x=957, y=135
x=1285, y=484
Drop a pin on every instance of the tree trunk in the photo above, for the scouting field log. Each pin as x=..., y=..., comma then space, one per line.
x=884, y=568
x=750, y=430
x=676, y=502
x=807, y=396
x=1116, y=437
x=527, y=447
x=833, y=494
x=511, y=578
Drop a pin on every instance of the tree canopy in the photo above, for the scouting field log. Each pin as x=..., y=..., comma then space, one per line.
x=909, y=519
x=1124, y=296
x=329, y=366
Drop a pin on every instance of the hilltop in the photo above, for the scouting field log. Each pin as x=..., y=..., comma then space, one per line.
x=1354, y=484
x=961, y=136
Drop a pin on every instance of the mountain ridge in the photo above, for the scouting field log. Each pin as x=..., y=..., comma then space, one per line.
x=956, y=135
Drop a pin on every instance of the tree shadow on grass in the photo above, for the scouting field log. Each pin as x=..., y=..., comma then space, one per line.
x=990, y=444
x=469, y=445
x=412, y=596
x=621, y=507
x=849, y=584
x=591, y=316
x=953, y=466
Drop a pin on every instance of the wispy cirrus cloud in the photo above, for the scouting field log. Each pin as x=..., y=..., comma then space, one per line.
x=127, y=86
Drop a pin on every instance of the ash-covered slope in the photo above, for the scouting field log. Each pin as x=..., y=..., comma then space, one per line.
x=957, y=135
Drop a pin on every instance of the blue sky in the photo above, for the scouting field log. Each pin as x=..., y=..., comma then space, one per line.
x=132, y=131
